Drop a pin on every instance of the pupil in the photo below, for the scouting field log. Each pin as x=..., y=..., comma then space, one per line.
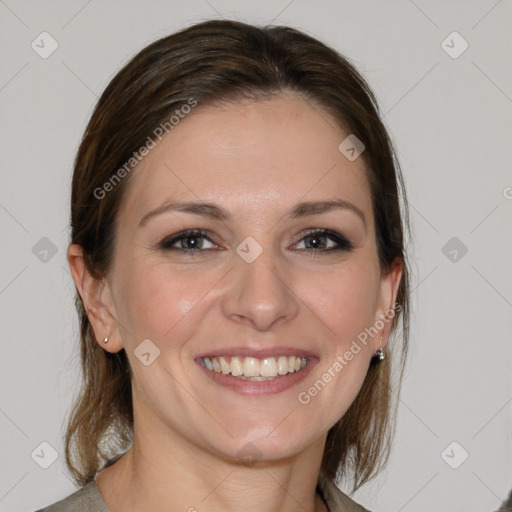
x=314, y=241
x=191, y=242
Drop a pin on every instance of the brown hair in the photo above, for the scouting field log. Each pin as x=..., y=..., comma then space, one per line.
x=210, y=62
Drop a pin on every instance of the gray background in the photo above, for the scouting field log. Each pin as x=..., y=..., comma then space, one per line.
x=451, y=121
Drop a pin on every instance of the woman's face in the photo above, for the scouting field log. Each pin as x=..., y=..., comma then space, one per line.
x=258, y=289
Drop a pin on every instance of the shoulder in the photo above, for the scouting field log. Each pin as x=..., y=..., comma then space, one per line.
x=85, y=499
x=339, y=501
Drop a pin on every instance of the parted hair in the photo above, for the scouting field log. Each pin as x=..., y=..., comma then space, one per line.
x=215, y=62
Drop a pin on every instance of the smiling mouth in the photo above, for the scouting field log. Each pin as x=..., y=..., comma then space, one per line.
x=253, y=369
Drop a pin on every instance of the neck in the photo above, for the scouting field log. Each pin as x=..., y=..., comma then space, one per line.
x=168, y=473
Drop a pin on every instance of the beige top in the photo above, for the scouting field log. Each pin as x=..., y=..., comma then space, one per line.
x=89, y=499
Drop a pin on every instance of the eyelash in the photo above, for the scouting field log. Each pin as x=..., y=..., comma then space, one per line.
x=343, y=243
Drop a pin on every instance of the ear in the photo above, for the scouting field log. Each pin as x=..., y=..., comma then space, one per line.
x=97, y=298
x=386, y=310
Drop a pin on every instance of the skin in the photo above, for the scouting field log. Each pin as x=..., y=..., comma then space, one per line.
x=257, y=160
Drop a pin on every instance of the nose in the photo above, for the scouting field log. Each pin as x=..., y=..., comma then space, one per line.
x=260, y=293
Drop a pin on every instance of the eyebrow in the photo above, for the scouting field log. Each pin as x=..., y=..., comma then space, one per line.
x=213, y=211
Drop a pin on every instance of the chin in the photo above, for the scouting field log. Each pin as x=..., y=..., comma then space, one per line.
x=251, y=448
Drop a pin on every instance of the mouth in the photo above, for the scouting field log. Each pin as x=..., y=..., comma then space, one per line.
x=255, y=372
x=254, y=369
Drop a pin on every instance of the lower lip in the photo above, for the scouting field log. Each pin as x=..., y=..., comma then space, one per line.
x=264, y=387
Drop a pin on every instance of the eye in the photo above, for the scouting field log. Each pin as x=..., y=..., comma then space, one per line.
x=189, y=241
x=323, y=240
x=314, y=242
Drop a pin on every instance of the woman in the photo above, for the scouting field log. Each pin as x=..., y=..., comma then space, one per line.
x=238, y=252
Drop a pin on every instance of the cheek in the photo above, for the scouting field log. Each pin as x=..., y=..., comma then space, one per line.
x=155, y=299
x=344, y=300
x=347, y=307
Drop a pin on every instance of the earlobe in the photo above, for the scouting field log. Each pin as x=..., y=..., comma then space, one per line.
x=92, y=290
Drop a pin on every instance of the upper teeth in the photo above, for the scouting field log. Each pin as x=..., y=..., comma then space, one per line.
x=252, y=367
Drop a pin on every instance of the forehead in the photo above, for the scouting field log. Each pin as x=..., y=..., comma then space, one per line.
x=250, y=154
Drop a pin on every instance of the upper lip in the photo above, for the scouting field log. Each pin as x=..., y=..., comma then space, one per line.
x=258, y=353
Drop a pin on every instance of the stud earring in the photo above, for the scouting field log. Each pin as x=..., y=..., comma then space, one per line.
x=105, y=340
x=380, y=353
